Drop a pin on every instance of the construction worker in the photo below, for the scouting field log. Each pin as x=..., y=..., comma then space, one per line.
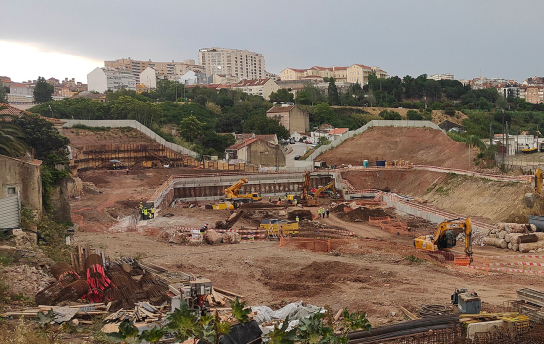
x=295, y=202
x=269, y=199
x=152, y=212
x=279, y=199
x=144, y=214
x=297, y=219
x=327, y=213
x=204, y=228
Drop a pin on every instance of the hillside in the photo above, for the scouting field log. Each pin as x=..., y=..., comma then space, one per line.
x=104, y=136
x=417, y=145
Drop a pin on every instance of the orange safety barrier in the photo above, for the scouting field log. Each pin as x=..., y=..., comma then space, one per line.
x=378, y=220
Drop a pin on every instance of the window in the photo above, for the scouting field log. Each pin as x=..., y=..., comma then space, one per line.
x=11, y=190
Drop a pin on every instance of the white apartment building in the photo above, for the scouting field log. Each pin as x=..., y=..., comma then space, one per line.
x=445, y=76
x=169, y=70
x=103, y=79
x=241, y=64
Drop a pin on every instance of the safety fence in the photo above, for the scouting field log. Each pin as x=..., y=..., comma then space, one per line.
x=393, y=227
x=315, y=244
x=499, y=264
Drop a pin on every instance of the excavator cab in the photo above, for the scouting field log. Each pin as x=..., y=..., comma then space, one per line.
x=447, y=240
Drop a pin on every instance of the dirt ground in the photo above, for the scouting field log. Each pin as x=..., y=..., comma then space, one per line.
x=372, y=275
x=417, y=145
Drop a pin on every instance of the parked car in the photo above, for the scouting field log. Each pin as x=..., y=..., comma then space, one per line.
x=308, y=142
x=292, y=140
x=297, y=157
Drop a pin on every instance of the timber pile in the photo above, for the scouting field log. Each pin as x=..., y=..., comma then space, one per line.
x=83, y=313
x=516, y=237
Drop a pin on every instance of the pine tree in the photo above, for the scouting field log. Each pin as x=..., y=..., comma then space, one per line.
x=43, y=91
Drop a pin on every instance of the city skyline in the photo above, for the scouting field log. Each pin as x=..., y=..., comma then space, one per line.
x=464, y=38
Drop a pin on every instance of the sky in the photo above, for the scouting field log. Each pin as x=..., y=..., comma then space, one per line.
x=467, y=38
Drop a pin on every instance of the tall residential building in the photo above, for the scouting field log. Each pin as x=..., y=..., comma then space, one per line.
x=352, y=74
x=170, y=70
x=241, y=64
x=103, y=79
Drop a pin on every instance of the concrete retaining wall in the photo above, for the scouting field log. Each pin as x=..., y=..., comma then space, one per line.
x=375, y=123
x=120, y=123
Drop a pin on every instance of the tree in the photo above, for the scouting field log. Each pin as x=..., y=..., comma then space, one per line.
x=390, y=115
x=3, y=96
x=11, y=138
x=323, y=113
x=216, y=144
x=281, y=96
x=40, y=134
x=231, y=123
x=413, y=115
x=190, y=128
x=146, y=113
x=43, y=91
x=262, y=125
x=333, y=92
x=213, y=108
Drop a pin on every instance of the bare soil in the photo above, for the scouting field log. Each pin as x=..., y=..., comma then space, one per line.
x=416, y=145
x=82, y=137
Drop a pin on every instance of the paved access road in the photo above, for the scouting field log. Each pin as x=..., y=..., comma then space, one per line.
x=298, y=149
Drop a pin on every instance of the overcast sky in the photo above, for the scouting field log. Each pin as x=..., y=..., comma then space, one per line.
x=468, y=38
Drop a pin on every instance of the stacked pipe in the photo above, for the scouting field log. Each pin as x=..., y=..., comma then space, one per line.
x=403, y=329
x=516, y=237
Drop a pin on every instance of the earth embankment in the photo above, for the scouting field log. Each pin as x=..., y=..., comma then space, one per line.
x=422, y=146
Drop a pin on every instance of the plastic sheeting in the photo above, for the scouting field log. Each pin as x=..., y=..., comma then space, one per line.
x=295, y=311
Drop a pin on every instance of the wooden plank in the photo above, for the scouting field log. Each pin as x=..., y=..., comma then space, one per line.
x=218, y=298
x=409, y=314
x=338, y=314
x=223, y=291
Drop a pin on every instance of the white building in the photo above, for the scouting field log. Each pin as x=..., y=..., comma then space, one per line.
x=518, y=142
x=193, y=78
x=445, y=76
x=106, y=78
x=148, y=78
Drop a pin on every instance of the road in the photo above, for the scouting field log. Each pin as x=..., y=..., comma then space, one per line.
x=298, y=149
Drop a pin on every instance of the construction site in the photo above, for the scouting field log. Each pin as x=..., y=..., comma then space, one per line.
x=406, y=228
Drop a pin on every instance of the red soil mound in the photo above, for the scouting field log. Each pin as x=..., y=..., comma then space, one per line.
x=421, y=146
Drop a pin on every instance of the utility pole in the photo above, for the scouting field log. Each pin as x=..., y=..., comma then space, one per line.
x=490, y=134
x=507, y=137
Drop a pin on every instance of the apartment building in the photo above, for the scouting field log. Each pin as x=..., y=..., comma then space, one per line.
x=241, y=64
x=170, y=70
x=259, y=87
x=445, y=76
x=107, y=78
x=352, y=74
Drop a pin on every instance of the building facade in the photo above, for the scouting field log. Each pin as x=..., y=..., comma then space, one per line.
x=257, y=151
x=352, y=74
x=148, y=78
x=103, y=79
x=20, y=185
x=258, y=87
x=170, y=70
x=241, y=64
x=292, y=117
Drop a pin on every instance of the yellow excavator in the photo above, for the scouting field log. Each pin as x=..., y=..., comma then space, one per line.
x=232, y=192
x=312, y=201
x=446, y=235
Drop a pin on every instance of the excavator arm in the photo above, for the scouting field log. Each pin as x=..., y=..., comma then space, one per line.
x=232, y=192
x=323, y=188
x=440, y=237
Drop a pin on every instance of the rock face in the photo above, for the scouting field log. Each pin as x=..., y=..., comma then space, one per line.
x=212, y=237
x=232, y=238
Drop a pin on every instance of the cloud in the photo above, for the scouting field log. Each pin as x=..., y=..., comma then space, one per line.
x=23, y=62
